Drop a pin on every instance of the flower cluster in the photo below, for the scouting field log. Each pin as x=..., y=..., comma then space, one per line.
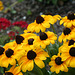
x=4, y=23
x=66, y=55
x=21, y=24
x=1, y=6
x=30, y=49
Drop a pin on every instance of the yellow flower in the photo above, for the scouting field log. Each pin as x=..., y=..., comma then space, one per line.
x=39, y=24
x=36, y=55
x=51, y=19
x=14, y=71
x=1, y=6
x=69, y=20
x=56, y=17
x=67, y=34
x=68, y=55
x=29, y=42
x=57, y=64
x=11, y=53
x=66, y=44
x=45, y=38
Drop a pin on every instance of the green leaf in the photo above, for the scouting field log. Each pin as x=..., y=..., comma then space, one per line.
x=54, y=2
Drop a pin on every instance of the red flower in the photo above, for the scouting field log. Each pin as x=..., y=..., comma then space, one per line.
x=22, y=24
x=11, y=35
x=4, y=23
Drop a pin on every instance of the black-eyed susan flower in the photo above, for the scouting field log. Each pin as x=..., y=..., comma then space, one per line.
x=67, y=34
x=68, y=55
x=69, y=20
x=52, y=19
x=29, y=42
x=1, y=6
x=57, y=64
x=39, y=24
x=14, y=71
x=33, y=56
x=45, y=38
x=68, y=43
x=11, y=53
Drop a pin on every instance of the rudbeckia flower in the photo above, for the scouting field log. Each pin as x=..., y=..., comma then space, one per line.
x=66, y=44
x=52, y=19
x=69, y=20
x=33, y=56
x=11, y=53
x=39, y=24
x=45, y=38
x=14, y=71
x=68, y=55
x=57, y=64
x=67, y=34
x=4, y=23
x=29, y=42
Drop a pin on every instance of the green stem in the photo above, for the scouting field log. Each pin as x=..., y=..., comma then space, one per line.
x=48, y=50
x=53, y=28
x=10, y=7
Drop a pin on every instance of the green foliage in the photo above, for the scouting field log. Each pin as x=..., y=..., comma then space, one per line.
x=20, y=0
x=1, y=70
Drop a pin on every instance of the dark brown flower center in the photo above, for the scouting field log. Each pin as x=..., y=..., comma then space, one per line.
x=30, y=41
x=43, y=36
x=66, y=31
x=8, y=73
x=71, y=42
x=71, y=16
x=58, y=61
x=72, y=51
x=39, y=19
x=19, y=39
x=31, y=55
x=1, y=50
x=9, y=52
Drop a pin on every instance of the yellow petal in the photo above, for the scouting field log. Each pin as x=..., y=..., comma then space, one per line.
x=72, y=62
x=39, y=63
